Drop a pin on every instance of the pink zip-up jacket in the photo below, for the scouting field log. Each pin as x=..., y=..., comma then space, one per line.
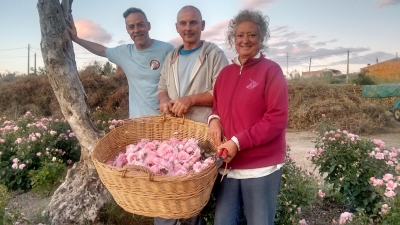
x=252, y=103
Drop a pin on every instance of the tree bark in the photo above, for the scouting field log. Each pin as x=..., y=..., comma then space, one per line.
x=81, y=195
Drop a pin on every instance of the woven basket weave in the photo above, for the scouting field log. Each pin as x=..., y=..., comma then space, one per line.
x=139, y=191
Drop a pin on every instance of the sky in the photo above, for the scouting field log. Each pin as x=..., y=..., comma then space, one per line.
x=305, y=35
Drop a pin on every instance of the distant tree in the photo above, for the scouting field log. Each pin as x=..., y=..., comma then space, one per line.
x=295, y=74
x=8, y=76
x=108, y=69
x=80, y=197
x=363, y=79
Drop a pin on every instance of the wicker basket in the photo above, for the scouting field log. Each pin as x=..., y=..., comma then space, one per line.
x=139, y=191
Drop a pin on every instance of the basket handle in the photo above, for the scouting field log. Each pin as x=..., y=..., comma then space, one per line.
x=164, y=117
x=138, y=168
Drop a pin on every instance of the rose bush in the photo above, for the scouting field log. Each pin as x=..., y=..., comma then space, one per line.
x=350, y=164
x=29, y=144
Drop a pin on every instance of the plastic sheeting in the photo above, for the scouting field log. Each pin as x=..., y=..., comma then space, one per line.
x=380, y=91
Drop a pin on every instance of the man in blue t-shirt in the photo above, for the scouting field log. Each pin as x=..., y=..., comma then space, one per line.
x=141, y=62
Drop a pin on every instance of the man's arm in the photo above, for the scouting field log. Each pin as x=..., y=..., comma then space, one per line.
x=92, y=47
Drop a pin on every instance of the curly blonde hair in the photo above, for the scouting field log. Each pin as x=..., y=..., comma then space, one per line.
x=254, y=16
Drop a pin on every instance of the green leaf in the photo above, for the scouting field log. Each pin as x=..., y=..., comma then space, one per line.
x=332, y=168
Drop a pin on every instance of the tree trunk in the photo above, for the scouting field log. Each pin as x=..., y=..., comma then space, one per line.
x=82, y=194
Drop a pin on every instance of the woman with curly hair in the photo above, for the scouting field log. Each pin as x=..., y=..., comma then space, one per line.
x=251, y=110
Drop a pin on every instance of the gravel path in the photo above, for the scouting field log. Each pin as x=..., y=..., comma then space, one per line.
x=32, y=204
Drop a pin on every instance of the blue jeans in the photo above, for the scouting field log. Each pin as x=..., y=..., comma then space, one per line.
x=258, y=197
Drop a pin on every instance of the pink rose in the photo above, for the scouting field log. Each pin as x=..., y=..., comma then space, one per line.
x=303, y=222
x=155, y=169
x=321, y=194
x=197, y=167
x=150, y=145
x=379, y=155
x=344, y=217
x=183, y=156
x=390, y=194
x=378, y=182
x=131, y=157
x=387, y=177
x=390, y=185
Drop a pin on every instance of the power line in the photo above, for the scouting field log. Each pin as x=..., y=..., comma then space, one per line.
x=8, y=57
x=35, y=48
x=313, y=56
x=11, y=49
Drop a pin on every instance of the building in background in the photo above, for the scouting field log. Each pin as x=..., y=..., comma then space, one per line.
x=385, y=69
x=322, y=72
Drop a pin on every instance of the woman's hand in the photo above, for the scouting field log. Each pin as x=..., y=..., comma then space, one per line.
x=215, y=130
x=232, y=149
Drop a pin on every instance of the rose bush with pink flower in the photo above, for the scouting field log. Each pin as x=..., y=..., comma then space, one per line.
x=363, y=171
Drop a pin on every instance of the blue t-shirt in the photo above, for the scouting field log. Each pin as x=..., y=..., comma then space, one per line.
x=187, y=59
x=142, y=69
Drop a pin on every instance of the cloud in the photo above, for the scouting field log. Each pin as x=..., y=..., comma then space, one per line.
x=258, y=4
x=324, y=43
x=121, y=42
x=215, y=33
x=92, y=31
x=292, y=49
x=176, y=41
x=279, y=29
x=383, y=3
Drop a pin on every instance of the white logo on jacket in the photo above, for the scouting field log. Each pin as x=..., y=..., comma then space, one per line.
x=252, y=84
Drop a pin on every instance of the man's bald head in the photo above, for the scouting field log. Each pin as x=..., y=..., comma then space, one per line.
x=190, y=7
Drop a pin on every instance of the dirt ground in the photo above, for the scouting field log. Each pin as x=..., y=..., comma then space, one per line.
x=300, y=141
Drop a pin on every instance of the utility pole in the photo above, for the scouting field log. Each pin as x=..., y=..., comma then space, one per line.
x=376, y=60
x=348, y=60
x=28, y=58
x=35, y=64
x=309, y=68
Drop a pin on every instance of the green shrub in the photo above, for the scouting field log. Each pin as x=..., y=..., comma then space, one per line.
x=298, y=190
x=348, y=162
x=28, y=142
x=4, y=196
x=112, y=214
x=363, y=79
x=48, y=177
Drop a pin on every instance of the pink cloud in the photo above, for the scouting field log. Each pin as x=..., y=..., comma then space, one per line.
x=176, y=41
x=258, y=4
x=384, y=3
x=92, y=31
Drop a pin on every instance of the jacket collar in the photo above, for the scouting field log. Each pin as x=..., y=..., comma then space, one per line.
x=255, y=58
